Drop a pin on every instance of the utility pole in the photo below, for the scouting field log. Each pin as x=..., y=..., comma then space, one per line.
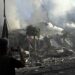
x=5, y=28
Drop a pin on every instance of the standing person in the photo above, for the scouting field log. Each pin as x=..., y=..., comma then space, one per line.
x=8, y=64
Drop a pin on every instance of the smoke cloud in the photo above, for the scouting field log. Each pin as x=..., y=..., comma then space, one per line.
x=12, y=16
x=21, y=13
x=58, y=12
x=1, y=13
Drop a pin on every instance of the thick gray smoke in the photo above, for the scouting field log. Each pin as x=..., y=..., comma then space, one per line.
x=21, y=13
x=1, y=12
x=58, y=12
x=71, y=16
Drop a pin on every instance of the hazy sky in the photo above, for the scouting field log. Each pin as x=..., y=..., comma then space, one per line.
x=20, y=13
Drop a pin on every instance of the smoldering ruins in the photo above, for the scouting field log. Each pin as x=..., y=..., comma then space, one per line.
x=44, y=29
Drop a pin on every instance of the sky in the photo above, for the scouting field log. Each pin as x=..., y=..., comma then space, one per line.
x=20, y=13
